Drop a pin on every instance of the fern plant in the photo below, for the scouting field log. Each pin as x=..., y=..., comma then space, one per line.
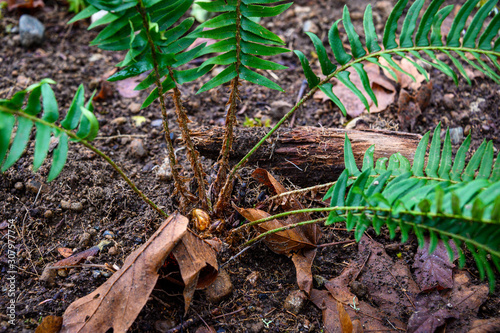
x=241, y=44
x=146, y=29
x=449, y=199
x=79, y=125
x=416, y=42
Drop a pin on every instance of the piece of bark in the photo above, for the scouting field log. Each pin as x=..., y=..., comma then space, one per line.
x=305, y=155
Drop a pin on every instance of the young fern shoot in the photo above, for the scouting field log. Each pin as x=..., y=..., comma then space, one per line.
x=241, y=41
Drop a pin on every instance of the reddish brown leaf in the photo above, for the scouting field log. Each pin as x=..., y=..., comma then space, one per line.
x=105, y=92
x=491, y=325
x=434, y=270
x=345, y=320
x=77, y=258
x=117, y=302
x=303, y=261
x=197, y=264
x=50, y=324
x=13, y=4
x=65, y=252
x=126, y=88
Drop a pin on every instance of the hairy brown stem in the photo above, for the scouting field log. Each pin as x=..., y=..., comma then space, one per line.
x=225, y=191
x=193, y=155
x=179, y=185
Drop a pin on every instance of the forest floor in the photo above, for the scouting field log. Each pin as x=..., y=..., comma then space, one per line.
x=104, y=205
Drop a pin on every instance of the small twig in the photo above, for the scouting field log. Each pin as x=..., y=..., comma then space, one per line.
x=299, y=97
x=229, y=314
x=237, y=255
x=295, y=165
x=336, y=243
x=121, y=136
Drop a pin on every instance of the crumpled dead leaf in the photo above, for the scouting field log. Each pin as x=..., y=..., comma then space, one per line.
x=389, y=284
x=434, y=270
x=431, y=312
x=197, y=264
x=298, y=242
x=117, y=302
x=383, y=89
x=50, y=324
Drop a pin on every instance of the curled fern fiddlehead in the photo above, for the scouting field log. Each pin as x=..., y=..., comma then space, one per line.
x=417, y=41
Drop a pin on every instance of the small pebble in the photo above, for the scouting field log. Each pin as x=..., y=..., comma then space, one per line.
x=157, y=123
x=137, y=148
x=456, y=135
x=220, y=288
x=33, y=186
x=48, y=214
x=295, y=301
x=65, y=204
x=113, y=251
x=119, y=121
x=108, y=234
x=84, y=239
x=62, y=272
x=253, y=277
x=134, y=107
x=19, y=186
x=449, y=101
x=31, y=30
x=92, y=232
x=76, y=206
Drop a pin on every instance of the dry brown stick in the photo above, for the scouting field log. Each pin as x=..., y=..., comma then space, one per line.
x=317, y=151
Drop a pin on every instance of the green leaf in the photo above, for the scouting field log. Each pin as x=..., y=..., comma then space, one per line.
x=477, y=23
x=50, y=108
x=257, y=29
x=338, y=194
x=344, y=78
x=370, y=32
x=263, y=11
x=495, y=174
x=248, y=75
x=167, y=84
x=42, y=143
x=327, y=89
x=73, y=116
x=326, y=65
x=262, y=50
x=389, y=39
x=474, y=162
x=189, y=75
x=459, y=163
x=409, y=24
x=489, y=33
x=7, y=122
x=336, y=45
x=365, y=81
x=458, y=24
x=486, y=162
x=368, y=158
x=421, y=38
x=437, y=22
x=85, y=13
x=89, y=126
x=312, y=79
x=434, y=153
x=354, y=198
x=225, y=76
x=60, y=156
x=222, y=20
x=23, y=132
x=251, y=61
x=458, y=65
x=356, y=46
x=445, y=163
x=349, y=160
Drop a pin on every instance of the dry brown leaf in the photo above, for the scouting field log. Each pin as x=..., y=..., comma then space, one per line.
x=303, y=261
x=404, y=80
x=491, y=325
x=65, y=252
x=13, y=4
x=383, y=89
x=282, y=242
x=50, y=324
x=345, y=320
x=197, y=264
x=117, y=302
x=77, y=258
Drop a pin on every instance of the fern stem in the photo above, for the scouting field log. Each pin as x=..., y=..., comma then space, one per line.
x=225, y=191
x=92, y=148
x=179, y=185
x=193, y=155
x=336, y=72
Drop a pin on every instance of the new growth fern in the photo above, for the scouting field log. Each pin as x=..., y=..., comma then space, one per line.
x=417, y=42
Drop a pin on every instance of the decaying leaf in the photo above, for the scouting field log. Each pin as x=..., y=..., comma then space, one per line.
x=197, y=264
x=434, y=270
x=65, y=252
x=430, y=313
x=491, y=325
x=117, y=302
x=126, y=88
x=50, y=324
x=383, y=89
x=77, y=258
x=345, y=320
x=13, y=4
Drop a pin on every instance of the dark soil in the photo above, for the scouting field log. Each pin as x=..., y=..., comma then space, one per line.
x=109, y=204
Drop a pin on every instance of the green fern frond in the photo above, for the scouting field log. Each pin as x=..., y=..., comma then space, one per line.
x=418, y=40
x=446, y=199
x=125, y=30
x=79, y=115
x=241, y=41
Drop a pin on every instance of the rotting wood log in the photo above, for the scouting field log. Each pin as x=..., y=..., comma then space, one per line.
x=305, y=155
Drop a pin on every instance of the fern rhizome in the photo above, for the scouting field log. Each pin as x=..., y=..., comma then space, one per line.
x=448, y=199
